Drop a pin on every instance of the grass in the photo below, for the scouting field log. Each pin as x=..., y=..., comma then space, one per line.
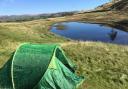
x=105, y=66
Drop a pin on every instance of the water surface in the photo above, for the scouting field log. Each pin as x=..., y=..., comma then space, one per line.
x=90, y=32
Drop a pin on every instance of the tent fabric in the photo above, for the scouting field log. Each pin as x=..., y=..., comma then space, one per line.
x=39, y=66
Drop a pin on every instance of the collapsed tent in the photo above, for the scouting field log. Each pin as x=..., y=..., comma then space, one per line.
x=36, y=66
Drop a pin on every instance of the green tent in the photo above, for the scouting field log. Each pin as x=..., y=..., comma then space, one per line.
x=35, y=66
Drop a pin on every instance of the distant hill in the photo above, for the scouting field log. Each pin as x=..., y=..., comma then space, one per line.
x=20, y=18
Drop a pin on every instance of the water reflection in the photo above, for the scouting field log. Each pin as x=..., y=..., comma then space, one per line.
x=113, y=34
x=60, y=26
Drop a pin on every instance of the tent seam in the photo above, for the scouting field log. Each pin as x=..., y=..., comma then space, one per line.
x=13, y=84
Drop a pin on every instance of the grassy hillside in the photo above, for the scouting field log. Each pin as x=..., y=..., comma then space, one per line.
x=105, y=66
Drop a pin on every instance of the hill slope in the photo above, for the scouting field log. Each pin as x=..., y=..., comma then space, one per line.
x=120, y=5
